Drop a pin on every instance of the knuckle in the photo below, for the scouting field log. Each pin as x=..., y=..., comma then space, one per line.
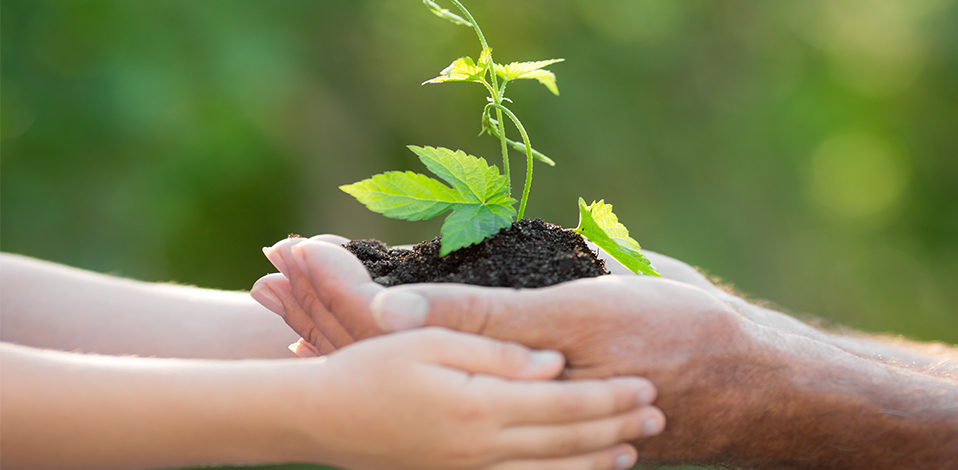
x=464, y=454
x=312, y=335
x=476, y=314
x=334, y=303
x=472, y=411
x=430, y=336
x=631, y=427
x=569, y=441
x=510, y=354
x=307, y=300
x=570, y=404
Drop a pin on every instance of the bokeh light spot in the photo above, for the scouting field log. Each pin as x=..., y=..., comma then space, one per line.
x=876, y=47
x=858, y=178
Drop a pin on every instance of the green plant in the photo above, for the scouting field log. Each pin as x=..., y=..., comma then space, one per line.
x=480, y=198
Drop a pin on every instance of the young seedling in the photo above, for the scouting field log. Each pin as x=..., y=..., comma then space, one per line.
x=479, y=197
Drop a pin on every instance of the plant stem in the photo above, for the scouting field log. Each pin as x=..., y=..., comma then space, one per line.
x=525, y=138
x=494, y=130
x=496, y=97
x=482, y=39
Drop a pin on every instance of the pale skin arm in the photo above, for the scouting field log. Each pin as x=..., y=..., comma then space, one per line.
x=46, y=305
x=740, y=385
x=421, y=400
x=432, y=399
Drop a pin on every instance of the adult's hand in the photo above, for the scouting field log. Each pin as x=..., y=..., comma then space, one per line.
x=739, y=386
x=327, y=296
x=291, y=294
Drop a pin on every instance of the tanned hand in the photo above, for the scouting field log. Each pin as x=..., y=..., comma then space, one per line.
x=739, y=385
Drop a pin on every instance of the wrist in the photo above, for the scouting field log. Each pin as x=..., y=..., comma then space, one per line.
x=821, y=406
x=266, y=414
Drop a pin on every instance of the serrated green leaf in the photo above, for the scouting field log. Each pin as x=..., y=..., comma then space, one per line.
x=472, y=223
x=598, y=224
x=530, y=70
x=403, y=195
x=473, y=180
x=479, y=196
x=464, y=69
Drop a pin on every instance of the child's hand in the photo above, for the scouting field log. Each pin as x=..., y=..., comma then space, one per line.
x=434, y=398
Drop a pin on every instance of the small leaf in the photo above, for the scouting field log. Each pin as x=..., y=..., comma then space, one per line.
x=485, y=58
x=602, y=227
x=464, y=69
x=479, y=196
x=532, y=70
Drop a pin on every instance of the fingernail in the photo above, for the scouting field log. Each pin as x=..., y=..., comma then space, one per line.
x=623, y=462
x=303, y=349
x=310, y=346
x=543, y=357
x=274, y=256
x=298, y=252
x=267, y=298
x=399, y=310
x=651, y=427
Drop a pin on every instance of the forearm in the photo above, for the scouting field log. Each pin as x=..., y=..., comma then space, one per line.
x=934, y=358
x=824, y=408
x=64, y=410
x=52, y=306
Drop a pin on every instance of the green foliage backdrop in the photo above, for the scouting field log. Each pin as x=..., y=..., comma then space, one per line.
x=806, y=150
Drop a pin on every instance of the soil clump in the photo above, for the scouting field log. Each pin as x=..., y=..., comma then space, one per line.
x=530, y=253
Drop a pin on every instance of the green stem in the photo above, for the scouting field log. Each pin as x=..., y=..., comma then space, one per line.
x=471, y=20
x=525, y=138
x=494, y=130
x=496, y=97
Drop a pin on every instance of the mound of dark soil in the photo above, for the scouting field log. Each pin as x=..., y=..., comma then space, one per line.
x=530, y=253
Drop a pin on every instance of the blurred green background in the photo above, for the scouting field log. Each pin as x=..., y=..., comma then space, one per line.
x=806, y=150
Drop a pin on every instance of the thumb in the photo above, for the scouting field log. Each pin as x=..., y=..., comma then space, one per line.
x=527, y=316
x=478, y=355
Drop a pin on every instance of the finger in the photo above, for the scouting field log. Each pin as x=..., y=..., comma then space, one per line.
x=563, y=402
x=303, y=349
x=262, y=293
x=459, y=307
x=306, y=297
x=671, y=268
x=273, y=291
x=668, y=267
x=580, y=437
x=617, y=457
x=329, y=238
x=528, y=316
x=559, y=317
x=274, y=253
x=341, y=283
x=479, y=355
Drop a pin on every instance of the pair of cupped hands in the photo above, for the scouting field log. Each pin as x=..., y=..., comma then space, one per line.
x=457, y=376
